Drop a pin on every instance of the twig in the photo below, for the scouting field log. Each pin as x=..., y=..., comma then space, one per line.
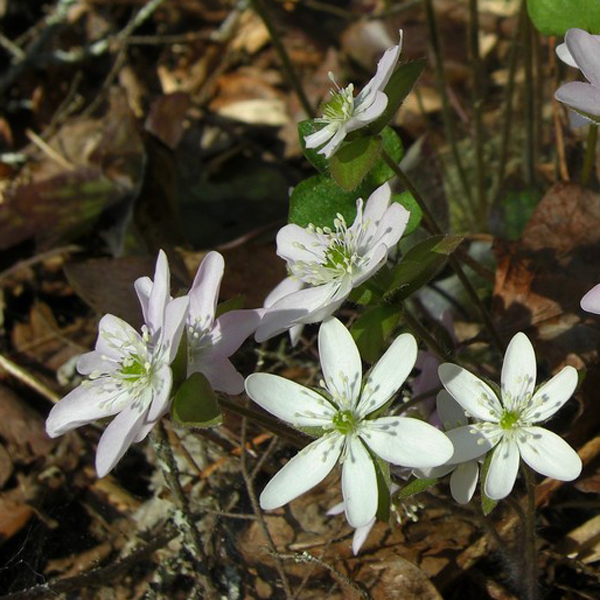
x=306, y=557
x=38, y=258
x=49, y=150
x=590, y=155
x=286, y=63
x=260, y=517
x=530, y=555
x=28, y=379
x=167, y=463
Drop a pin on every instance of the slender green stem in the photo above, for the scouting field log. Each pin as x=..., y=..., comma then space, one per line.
x=530, y=581
x=433, y=227
x=167, y=463
x=286, y=63
x=422, y=333
x=529, y=105
x=590, y=155
x=508, y=102
x=477, y=100
x=446, y=113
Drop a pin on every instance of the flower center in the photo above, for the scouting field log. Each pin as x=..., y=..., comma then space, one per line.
x=341, y=106
x=134, y=367
x=345, y=422
x=509, y=419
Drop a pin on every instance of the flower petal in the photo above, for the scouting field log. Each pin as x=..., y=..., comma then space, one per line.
x=334, y=143
x=518, y=372
x=369, y=111
x=388, y=374
x=88, y=402
x=204, y=293
x=374, y=260
x=450, y=412
x=548, y=454
x=463, y=481
x=175, y=319
x=434, y=472
x=470, y=442
x=162, y=384
x=117, y=438
x=289, y=400
x=159, y=294
x=473, y=394
x=591, y=301
x=551, y=396
x=385, y=68
x=360, y=536
x=585, y=50
x=407, y=442
x=340, y=363
x=308, y=468
x=143, y=288
x=221, y=374
x=295, y=334
x=563, y=53
x=318, y=138
x=376, y=206
x=359, y=483
x=502, y=473
x=392, y=226
x=94, y=362
x=295, y=243
x=232, y=329
x=113, y=334
x=583, y=97
x=288, y=286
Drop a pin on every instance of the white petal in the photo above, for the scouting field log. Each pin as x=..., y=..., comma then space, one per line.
x=463, y=481
x=427, y=380
x=434, y=472
x=368, y=112
x=563, y=53
x=548, y=454
x=551, y=396
x=376, y=205
x=585, y=50
x=232, y=329
x=336, y=509
x=88, y=402
x=450, y=412
x=518, y=372
x=502, y=473
x=143, y=288
x=94, y=362
x=289, y=400
x=306, y=306
x=359, y=483
x=308, y=468
x=175, y=319
x=335, y=142
x=220, y=372
x=162, y=384
x=295, y=243
x=374, y=260
x=295, y=334
x=385, y=68
x=392, y=226
x=407, y=442
x=360, y=536
x=469, y=442
x=340, y=363
x=473, y=394
x=204, y=293
x=113, y=334
x=318, y=138
x=386, y=377
x=583, y=97
x=159, y=295
x=591, y=301
x=288, y=286
x=117, y=438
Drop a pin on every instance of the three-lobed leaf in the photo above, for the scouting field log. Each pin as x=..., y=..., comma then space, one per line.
x=353, y=161
x=195, y=403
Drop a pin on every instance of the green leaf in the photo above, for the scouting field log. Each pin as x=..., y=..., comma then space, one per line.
x=380, y=173
x=372, y=329
x=318, y=199
x=487, y=504
x=416, y=486
x=316, y=160
x=195, y=403
x=234, y=303
x=398, y=87
x=352, y=162
x=554, y=17
x=180, y=364
x=407, y=200
x=420, y=264
x=372, y=290
x=384, y=502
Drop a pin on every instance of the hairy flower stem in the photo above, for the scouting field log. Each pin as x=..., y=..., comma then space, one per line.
x=433, y=227
x=422, y=333
x=286, y=63
x=434, y=36
x=530, y=554
x=477, y=101
x=590, y=155
x=168, y=465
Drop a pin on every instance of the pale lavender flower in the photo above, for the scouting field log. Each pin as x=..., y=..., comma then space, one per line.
x=582, y=50
x=510, y=424
x=345, y=113
x=325, y=265
x=129, y=374
x=591, y=301
x=211, y=339
x=342, y=411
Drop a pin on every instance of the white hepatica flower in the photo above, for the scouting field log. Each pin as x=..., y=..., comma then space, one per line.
x=325, y=265
x=510, y=424
x=129, y=374
x=345, y=113
x=581, y=50
x=591, y=301
x=212, y=340
x=463, y=480
x=342, y=410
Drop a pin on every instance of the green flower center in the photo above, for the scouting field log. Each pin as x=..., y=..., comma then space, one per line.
x=134, y=368
x=345, y=422
x=341, y=105
x=509, y=419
